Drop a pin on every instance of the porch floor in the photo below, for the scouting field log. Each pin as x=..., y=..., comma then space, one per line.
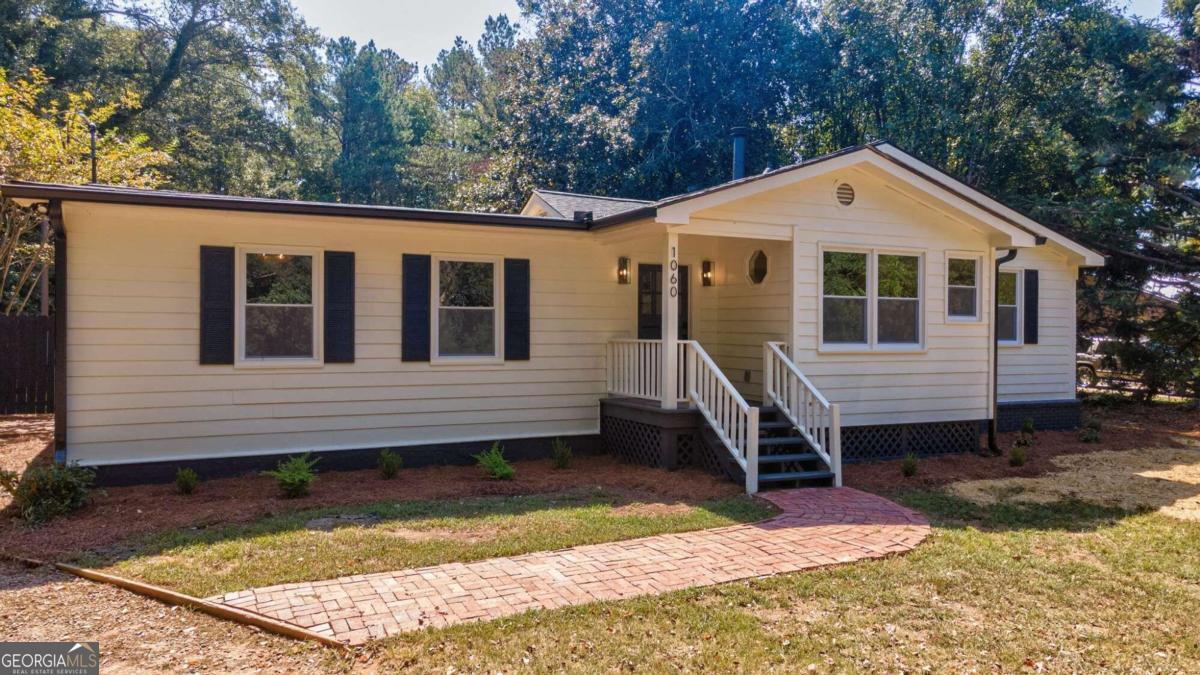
x=816, y=527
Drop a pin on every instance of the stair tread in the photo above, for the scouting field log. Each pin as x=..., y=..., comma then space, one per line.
x=781, y=440
x=793, y=475
x=775, y=424
x=794, y=457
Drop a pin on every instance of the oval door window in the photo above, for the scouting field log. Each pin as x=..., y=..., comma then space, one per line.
x=757, y=269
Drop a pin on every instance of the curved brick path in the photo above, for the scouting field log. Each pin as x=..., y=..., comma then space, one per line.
x=818, y=527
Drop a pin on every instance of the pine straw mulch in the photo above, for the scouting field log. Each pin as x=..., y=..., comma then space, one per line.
x=1148, y=457
x=118, y=513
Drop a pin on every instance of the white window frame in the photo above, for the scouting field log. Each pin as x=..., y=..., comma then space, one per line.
x=435, y=293
x=1020, y=320
x=318, y=303
x=977, y=257
x=872, y=344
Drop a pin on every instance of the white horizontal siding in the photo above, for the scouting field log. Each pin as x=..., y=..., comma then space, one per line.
x=136, y=391
x=1044, y=371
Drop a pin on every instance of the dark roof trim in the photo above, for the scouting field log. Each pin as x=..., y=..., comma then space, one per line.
x=625, y=217
x=119, y=195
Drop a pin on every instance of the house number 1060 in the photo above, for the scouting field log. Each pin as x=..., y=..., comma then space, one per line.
x=673, y=281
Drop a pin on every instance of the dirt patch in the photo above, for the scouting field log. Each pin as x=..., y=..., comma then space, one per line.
x=23, y=438
x=1125, y=428
x=122, y=512
x=330, y=523
x=137, y=634
x=653, y=510
x=1164, y=479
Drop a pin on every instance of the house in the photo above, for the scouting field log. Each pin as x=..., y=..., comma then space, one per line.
x=770, y=326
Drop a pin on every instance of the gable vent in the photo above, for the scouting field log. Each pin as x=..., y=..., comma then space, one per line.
x=845, y=194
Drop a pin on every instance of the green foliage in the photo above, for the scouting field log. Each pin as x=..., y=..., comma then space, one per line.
x=186, y=480
x=493, y=463
x=1027, y=426
x=908, y=467
x=389, y=463
x=561, y=453
x=1017, y=455
x=295, y=475
x=1090, y=433
x=47, y=491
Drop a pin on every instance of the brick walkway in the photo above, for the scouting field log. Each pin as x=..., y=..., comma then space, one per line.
x=817, y=527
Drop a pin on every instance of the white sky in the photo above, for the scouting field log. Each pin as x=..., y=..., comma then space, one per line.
x=415, y=29
x=418, y=29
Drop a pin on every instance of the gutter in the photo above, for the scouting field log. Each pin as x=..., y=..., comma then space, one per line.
x=993, y=423
x=55, y=216
x=118, y=195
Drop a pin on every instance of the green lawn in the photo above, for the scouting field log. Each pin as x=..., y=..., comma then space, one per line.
x=292, y=547
x=1065, y=587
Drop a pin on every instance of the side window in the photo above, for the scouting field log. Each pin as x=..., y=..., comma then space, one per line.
x=962, y=289
x=1008, y=312
x=278, y=305
x=899, y=299
x=844, y=301
x=467, y=323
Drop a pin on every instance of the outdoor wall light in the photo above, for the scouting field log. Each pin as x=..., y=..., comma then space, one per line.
x=707, y=274
x=622, y=270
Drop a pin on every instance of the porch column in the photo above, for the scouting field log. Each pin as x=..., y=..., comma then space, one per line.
x=670, y=323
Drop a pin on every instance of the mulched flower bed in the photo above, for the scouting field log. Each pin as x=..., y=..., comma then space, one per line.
x=121, y=512
x=1125, y=427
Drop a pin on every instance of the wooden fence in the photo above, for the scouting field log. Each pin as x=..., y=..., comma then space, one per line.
x=26, y=364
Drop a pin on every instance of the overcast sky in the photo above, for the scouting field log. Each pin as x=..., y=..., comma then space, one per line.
x=418, y=29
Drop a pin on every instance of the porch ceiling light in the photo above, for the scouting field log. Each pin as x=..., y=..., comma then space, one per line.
x=622, y=270
x=707, y=275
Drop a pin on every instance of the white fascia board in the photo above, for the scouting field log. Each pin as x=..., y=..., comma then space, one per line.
x=1085, y=256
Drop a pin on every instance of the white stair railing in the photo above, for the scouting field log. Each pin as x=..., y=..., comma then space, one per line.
x=734, y=421
x=817, y=420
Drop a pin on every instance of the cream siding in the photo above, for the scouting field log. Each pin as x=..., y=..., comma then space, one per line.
x=948, y=379
x=136, y=391
x=1044, y=371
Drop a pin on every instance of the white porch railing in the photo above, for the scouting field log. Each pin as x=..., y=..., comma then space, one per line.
x=818, y=420
x=635, y=369
x=734, y=421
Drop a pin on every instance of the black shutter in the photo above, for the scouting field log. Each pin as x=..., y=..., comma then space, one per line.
x=516, y=309
x=415, y=303
x=1031, y=307
x=216, y=304
x=339, y=307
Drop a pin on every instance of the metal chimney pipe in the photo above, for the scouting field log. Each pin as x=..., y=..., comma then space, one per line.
x=739, y=151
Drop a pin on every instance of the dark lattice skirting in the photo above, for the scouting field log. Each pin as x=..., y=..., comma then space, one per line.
x=893, y=441
x=1057, y=415
x=641, y=432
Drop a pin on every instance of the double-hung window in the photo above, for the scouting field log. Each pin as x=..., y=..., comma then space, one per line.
x=1008, y=310
x=278, y=299
x=962, y=288
x=871, y=300
x=465, y=294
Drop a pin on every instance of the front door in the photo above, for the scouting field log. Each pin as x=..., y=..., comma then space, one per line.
x=649, y=310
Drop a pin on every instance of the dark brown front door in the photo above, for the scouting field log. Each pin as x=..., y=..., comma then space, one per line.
x=650, y=302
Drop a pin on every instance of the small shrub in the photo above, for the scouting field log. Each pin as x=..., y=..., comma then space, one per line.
x=561, y=453
x=186, y=480
x=909, y=466
x=1090, y=433
x=389, y=463
x=47, y=491
x=493, y=463
x=1018, y=455
x=295, y=475
x=1027, y=426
